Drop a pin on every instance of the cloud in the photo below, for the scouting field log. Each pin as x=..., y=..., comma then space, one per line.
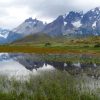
x=14, y=12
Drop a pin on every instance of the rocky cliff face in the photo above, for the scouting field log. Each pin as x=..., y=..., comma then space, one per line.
x=30, y=26
x=77, y=23
x=71, y=24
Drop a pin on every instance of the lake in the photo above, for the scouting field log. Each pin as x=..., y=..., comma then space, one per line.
x=20, y=65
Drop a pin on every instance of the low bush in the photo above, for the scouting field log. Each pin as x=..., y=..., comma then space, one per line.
x=97, y=45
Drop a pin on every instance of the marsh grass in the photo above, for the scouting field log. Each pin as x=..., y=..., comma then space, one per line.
x=53, y=85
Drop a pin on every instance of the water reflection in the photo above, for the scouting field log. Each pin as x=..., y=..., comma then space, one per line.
x=24, y=64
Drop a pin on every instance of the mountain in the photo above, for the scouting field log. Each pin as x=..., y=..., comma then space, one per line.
x=7, y=36
x=4, y=33
x=29, y=26
x=76, y=23
x=34, y=38
x=55, y=28
x=90, y=22
x=72, y=24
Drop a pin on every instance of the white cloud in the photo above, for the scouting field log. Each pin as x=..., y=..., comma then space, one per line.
x=18, y=12
x=85, y=4
x=5, y=1
x=14, y=12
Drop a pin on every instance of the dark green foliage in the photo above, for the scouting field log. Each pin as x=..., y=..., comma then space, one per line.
x=47, y=44
x=97, y=45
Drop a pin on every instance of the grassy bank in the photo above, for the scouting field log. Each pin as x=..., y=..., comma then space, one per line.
x=71, y=49
x=44, y=44
x=48, y=86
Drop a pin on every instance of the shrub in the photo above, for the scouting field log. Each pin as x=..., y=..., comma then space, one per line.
x=47, y=44
x=97, y=45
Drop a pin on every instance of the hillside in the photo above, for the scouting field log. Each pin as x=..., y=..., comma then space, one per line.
x=41, y=38
x=43, y=44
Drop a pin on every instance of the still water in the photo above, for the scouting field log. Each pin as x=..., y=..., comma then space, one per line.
x=22, y=65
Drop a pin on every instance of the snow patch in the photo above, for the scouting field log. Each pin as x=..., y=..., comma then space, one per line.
x=96, y=34
x=97, y=12
x=65, y=23
x=4, y=36
x=94, y=24
x=77, y=24
x=93, y=10
x=64, y=16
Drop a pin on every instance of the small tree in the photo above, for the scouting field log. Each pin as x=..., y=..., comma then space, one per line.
x=47, y=44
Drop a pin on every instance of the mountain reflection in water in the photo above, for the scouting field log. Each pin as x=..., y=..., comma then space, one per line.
x=30, y=62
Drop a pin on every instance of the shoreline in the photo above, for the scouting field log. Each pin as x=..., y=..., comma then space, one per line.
x=48, y=50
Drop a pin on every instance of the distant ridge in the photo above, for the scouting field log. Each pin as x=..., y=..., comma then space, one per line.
x=72, y=24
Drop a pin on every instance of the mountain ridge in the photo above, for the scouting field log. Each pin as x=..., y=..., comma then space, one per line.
x=71, y=24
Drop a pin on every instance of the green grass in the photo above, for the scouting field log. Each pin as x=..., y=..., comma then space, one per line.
x=55, y=48
x=54, y=85
x=42, y=39
x=37, y=44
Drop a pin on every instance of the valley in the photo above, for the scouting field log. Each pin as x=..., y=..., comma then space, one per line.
x=58, y=60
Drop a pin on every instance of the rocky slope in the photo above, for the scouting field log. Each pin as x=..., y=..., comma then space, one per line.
x=73, y=23
x=7, y=36
x=30, y=26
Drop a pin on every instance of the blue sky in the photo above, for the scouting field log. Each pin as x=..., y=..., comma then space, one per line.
x=14, y=12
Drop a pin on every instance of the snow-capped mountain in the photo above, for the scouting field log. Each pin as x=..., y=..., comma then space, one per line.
x=64, y=25
x=90, y=21
x=76, y=23
x=30, y=26
x=72, y=23
x=7, y=36
x=4, y=33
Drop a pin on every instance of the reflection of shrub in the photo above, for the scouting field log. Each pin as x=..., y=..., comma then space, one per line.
x=97, y=45
x=47, y=44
